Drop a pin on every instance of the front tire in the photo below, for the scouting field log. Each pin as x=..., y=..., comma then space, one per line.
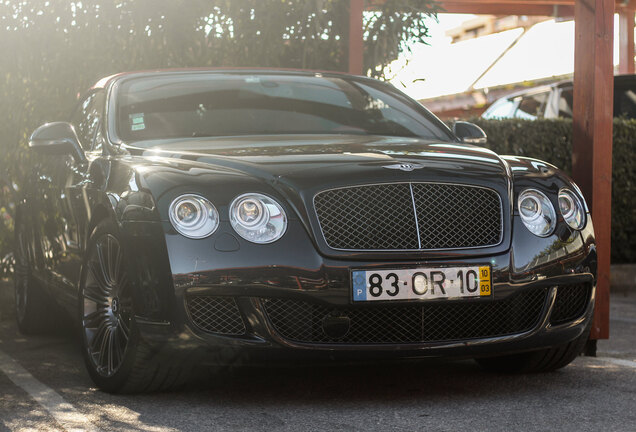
x=116, y=356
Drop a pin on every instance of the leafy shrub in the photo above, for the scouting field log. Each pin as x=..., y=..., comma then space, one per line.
x=54, y=49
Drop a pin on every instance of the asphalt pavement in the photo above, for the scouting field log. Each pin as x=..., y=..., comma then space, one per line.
x=43, y=386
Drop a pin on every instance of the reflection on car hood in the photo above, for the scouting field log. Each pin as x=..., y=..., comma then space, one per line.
x=350, y=158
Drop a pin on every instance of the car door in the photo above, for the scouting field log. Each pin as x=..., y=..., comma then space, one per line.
x=532, y=106
x=72, y=181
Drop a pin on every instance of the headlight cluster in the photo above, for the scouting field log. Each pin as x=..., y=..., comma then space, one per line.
x=258, y=218
x=571, y=209
x=539, y=216
x=193, y=216
x=537, y=212
x=255, y=217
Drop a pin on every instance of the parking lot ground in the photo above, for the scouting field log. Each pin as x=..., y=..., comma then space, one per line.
x=43, y=386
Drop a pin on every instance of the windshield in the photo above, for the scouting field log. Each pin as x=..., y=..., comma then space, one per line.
x=221, y=104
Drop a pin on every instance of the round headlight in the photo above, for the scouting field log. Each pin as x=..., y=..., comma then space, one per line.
x=193, y=216
x=571, y=208
x=537, y=212
x=258, y=218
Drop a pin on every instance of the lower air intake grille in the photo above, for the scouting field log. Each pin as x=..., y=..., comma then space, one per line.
x=216, y=314
x=570, y=303
x=408, y=323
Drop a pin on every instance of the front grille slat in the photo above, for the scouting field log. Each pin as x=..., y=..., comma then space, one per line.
x=383, y=216
x=302, y=321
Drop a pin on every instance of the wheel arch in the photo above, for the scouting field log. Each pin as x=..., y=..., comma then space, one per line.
x=98, y=214
x=141, y=235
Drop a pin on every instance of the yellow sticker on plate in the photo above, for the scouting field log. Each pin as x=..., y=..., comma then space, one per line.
x=484, y=281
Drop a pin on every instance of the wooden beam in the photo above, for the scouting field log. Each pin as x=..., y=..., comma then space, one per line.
x=460, y=6
x=356, y=49
x=518, y=2
x=626, y=42
x=564, y=8
x=625, y=5
x=592, y=134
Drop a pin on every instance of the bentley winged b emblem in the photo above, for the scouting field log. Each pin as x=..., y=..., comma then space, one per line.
x=404, y=166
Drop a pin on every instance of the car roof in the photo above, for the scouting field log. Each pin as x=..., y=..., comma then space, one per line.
x=106, y=81
x=529, y=91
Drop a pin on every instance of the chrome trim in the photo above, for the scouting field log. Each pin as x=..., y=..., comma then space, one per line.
x=404, y=166
x=501, y=219
x=551, y=299
x=417, y=224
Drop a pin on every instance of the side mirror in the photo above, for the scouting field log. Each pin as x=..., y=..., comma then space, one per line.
x=57, y=139
x=469, y=133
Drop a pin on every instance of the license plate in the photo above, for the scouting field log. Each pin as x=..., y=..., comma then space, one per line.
x=421, y=283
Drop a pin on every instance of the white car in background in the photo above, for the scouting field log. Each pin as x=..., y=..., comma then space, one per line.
x=555, y=100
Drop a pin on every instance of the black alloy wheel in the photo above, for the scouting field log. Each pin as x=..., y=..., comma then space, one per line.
x=117, y=357
x=106, y=304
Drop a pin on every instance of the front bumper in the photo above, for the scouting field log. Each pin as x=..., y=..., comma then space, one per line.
x=239, y=288
x=260, y=336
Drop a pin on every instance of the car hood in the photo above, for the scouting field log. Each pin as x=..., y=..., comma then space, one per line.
x=325, y=160
x=295, y=169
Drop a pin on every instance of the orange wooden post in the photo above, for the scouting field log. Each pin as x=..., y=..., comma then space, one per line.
x=356, y=8
x=592, y=133
x=626, y=47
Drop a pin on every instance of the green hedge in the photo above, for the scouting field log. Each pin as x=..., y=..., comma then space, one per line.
x=551, y=141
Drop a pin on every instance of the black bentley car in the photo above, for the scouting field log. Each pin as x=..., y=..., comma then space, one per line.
x=198, y=217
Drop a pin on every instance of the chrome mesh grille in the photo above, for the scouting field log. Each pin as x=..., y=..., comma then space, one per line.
x=455, y=216
x=368, y=217
x=216, y=314
x=570, y=303
x=408, y=323
x=388, y=216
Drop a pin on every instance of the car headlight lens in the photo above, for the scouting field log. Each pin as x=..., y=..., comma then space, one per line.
x=193, y=216
x=258, y=218
x=537, y=212
x=571, y=208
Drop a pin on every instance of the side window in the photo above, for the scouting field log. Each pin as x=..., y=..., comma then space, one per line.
x=500, y=109
x=86, y=119
x=532, y=106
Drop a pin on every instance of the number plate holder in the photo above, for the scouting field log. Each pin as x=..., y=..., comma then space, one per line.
x=424, y=283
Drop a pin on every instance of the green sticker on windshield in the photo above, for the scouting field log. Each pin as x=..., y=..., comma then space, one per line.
x=137, y=122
